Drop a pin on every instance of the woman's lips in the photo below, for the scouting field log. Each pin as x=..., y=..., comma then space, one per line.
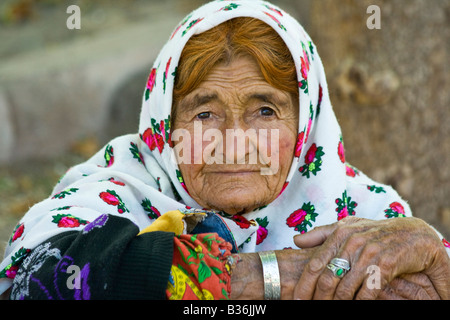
x=234, y=171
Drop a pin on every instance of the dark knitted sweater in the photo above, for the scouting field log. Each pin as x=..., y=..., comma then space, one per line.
x=105, y=261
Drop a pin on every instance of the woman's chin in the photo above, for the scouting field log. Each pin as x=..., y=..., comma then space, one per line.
x=235, y=193
x=236, y=202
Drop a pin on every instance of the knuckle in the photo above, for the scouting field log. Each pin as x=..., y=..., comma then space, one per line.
x=367, y=295
x=356, y=241
x=315, y=266
x=341, y=231
x=344, y=293
x=387, y=263
x=372, y=249
x=325, y=283
x=411, y=291
x=421, y=294
x=352, y=219
x=349, y=226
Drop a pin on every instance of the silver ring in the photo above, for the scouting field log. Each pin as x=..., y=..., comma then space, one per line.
x=341, y=263
x=339, y=267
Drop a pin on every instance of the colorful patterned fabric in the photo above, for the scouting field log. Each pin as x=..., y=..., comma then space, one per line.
x=202, y=263
x=134, y=176
x=201, y=268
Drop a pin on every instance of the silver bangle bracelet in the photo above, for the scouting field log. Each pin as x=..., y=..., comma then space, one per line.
x=272, y=284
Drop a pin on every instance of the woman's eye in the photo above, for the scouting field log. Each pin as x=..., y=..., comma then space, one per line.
x=267, y=112
x=203, y=115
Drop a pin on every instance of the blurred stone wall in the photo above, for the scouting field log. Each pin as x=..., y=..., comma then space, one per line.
x=390, y=87
x=58, y=86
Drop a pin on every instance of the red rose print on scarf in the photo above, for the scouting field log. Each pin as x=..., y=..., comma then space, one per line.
x=262, y=231
x=191, y=24
x=109, y=155
x=311, y=116
x=341, y=151
x=10, y=270
x=276, y=20
x=300, y=219
x=157, y=135
x=180, y=179
x=152, y=212
x=136, y=153
x=112, y=198
x=446, y=243
x=313, y=161
x=68, y=221
x=65, y=193
x=351, y=171
x=274, y=10
x=395, y=210
x=299, y=145
x=319, y=103
x=304, y=70
x=166, y=74
x=116, y=182
x=311, y=154
x=180, y=25
x=229, y=7
x=150, y=83
x=241, y=221
x=17, y=233
x=376, y=189
x=153, y=140
x=345, y=206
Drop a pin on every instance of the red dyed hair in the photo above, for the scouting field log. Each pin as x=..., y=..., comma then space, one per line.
x=233, y=38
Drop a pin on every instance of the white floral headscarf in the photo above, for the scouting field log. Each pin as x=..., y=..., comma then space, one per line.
x=134, y=176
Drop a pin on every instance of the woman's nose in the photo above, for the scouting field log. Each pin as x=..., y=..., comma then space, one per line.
x=239, y=142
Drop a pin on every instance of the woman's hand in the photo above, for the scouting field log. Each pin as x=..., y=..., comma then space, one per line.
x=396, y=247
x=410, y=287
x=247, y=278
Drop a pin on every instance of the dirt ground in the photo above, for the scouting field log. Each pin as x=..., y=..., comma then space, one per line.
x=24, y=184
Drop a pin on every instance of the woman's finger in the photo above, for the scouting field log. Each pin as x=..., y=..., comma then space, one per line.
x=315, y=237
x=419, y=280
x=330, y=278
x=320, y=234
x=412, y=290
x=336, y=235
x=326, y=286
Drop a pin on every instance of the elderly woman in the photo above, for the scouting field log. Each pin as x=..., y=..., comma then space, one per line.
x=238, y=163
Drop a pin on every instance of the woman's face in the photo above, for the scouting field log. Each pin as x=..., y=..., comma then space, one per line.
x=238, y=135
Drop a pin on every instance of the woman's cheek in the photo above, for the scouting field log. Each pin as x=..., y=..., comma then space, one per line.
x=277, y=149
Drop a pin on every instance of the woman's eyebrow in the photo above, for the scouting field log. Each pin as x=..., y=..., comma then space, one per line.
x=268, y=98
x=189, y=104
x=262, y=96
x=199, y=99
